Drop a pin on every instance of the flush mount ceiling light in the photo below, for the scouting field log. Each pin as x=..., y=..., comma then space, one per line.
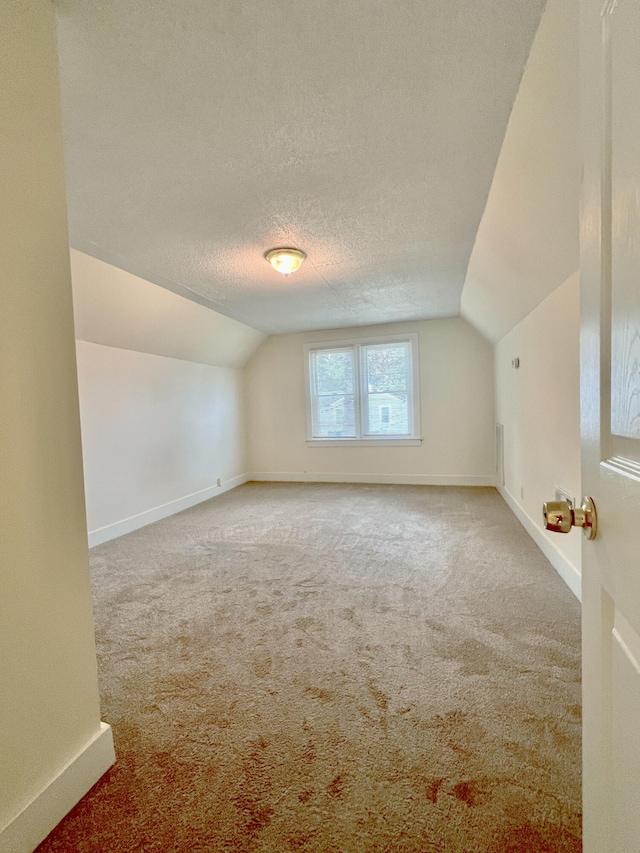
x=285, y=261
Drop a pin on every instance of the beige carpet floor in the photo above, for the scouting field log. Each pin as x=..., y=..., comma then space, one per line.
x=335, y=669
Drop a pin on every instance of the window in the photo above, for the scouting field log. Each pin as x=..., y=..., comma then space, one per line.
x=363, y=391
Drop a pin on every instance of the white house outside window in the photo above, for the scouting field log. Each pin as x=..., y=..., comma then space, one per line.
x=363, y=391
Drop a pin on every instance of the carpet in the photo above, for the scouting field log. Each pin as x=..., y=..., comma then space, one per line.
x=334, y=669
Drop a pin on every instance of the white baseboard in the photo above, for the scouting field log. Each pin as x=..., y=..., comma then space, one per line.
x=45, y=812
x=134, y=522
x=567, y=571
x=380, y=479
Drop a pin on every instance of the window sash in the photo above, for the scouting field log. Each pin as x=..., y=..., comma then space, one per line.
x=317, y=395
x=367, y=395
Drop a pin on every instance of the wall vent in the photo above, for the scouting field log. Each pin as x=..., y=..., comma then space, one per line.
x=500, y=454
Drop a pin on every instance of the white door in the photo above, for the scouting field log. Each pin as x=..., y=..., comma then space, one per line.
x=610, y=400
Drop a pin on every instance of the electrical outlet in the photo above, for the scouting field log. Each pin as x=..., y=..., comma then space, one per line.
x=561, y=495
x=218, y=483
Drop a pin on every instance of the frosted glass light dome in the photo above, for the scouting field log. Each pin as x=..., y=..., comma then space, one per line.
x=285, y=261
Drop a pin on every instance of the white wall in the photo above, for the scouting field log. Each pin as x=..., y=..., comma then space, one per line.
x=519, y=289
x=456, y=377
x=161, y=398
x=540, y=409
x=52, y=744
x=157, y=434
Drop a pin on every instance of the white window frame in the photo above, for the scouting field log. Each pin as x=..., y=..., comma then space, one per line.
x=361, y=440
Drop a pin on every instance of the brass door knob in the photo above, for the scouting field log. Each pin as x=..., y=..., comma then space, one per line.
x=560, y=517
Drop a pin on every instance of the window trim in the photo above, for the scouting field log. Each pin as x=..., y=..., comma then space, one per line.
x=361, y=440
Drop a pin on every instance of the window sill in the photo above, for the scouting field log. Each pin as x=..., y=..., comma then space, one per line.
x=364, y=442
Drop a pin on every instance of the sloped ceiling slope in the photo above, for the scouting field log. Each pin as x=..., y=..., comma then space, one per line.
x=117, y=309
x=200, y=134
x=528, y=240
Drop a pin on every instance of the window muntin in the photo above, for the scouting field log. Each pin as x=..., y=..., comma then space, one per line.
x=363, y=390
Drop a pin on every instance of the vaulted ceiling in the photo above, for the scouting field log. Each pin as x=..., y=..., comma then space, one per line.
x=528, y=240
x=200, y=134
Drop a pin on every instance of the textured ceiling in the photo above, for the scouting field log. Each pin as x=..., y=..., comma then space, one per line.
x=199, y=134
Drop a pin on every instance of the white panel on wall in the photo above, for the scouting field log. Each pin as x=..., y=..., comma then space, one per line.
x=500, y=454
